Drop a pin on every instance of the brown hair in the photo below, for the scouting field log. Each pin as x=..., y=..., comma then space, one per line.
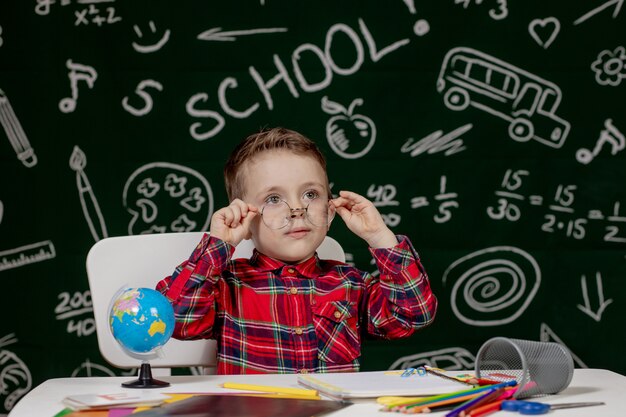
x=267, y=140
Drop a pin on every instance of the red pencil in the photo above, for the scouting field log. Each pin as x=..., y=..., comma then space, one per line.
x=486, y=409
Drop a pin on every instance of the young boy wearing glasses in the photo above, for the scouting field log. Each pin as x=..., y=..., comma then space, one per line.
x=284, y=310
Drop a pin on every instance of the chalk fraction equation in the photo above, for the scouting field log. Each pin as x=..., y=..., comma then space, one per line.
x=561, y=217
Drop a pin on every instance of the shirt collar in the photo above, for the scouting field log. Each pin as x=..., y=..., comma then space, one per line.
x=309, y=268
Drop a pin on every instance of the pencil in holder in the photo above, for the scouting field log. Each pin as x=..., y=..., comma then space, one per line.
x=540, y=368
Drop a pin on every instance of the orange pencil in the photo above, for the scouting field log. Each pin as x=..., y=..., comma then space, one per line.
x=486, y=409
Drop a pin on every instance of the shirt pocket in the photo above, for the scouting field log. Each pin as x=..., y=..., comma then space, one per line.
x=336, y=327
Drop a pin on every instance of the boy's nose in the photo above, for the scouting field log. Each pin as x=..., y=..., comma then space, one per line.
x=298, y=212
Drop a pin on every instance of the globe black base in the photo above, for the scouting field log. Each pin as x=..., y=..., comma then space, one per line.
x=145, y=379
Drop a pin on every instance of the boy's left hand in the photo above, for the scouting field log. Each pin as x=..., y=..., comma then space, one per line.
x=364, y=220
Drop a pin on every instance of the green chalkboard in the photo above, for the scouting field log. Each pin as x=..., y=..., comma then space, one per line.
x=490, y=132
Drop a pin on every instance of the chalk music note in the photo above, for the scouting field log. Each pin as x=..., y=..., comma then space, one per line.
x=78, y=72
x=611, y=136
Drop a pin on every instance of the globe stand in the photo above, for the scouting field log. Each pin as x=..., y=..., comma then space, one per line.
x=145, y=379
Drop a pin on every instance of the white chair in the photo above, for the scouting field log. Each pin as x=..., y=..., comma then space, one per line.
x=141, y=261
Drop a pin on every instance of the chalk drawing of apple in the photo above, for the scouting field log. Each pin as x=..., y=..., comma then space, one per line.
x=350, y=135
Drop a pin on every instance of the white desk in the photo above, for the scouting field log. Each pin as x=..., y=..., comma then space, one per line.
x=587, y=385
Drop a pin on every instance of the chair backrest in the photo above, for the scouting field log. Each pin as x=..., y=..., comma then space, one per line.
x=141, y=261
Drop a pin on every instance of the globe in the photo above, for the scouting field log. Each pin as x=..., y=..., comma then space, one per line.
x=141, y=320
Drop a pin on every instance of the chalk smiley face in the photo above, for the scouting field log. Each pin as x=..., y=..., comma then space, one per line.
x=349, y=135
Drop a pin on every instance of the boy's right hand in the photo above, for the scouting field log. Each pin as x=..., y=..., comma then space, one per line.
x=232, y=223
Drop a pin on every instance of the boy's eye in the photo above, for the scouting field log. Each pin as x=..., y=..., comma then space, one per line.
x=311, y=195
x=273, y=199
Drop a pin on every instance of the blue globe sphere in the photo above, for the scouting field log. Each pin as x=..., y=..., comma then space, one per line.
x=141, y=320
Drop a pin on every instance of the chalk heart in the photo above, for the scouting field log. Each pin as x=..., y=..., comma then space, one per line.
x=544, y=31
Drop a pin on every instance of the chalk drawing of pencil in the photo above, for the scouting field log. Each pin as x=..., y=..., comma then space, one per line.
x=91, y=209
x=15, y=133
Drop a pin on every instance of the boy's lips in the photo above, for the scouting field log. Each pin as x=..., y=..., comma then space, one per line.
x=298, y=232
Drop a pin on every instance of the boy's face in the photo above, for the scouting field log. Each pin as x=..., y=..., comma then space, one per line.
x=278, y=175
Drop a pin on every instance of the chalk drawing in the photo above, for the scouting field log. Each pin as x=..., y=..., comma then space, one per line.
x=421, y=27
x=147, y=98
x=350, y=135
x=454, y=358
x=78, y=72
x=602, y=303
x=544, y=31
x=411, y=5
x=93, y=14
x=26, y=255
x=526, y=101
x=492, y=286
x=446, y=201
x=546, y=334
x=610, y=136
x=15, y=377
x=164, y=197
x=216, y=34
x=613, y=230
x=88, y=201
x=449, y=144
x=322, y=60
x=383, y=196
x=618, y=6
x=498, y=13
x=71, y=307
x=610, y=67
x=15, y=133
x=155, y=45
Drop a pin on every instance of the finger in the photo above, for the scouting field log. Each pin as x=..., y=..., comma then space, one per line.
x=342, y=202
x=236, y=211
x=352, y=196
x=344, y=213
x=229, y=216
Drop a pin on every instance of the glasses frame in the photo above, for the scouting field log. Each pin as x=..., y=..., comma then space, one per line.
x=303, y=210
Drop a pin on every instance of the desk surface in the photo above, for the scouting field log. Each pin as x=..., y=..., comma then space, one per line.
x=587, y=385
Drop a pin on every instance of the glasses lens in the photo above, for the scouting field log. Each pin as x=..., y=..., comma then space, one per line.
x=319, y=213
x=276, y=215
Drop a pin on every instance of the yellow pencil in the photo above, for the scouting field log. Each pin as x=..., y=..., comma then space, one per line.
x=274, y=390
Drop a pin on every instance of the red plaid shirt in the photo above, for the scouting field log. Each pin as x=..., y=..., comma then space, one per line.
x=271, y=317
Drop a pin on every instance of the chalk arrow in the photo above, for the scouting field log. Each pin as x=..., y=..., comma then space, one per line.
x=215, y=34
x=618, y=6
x=597, y=315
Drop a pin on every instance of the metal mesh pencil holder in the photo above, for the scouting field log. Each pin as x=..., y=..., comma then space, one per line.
x=540, y=368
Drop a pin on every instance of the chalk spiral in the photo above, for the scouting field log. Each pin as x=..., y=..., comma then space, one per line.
x=492, y=286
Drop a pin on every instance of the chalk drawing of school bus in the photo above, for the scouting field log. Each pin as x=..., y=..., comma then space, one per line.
x=526, y=101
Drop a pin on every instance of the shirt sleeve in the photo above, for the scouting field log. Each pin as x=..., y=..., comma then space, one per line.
x=193, y=288
x=400, y=300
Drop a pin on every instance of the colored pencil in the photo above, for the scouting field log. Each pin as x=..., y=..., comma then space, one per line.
x=431, y=399
x=270, y=389
x=486, y=409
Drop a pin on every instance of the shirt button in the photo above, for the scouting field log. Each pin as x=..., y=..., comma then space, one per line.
x=291, y=270
x=293, y=290
x=299, y=330
x=337, y=314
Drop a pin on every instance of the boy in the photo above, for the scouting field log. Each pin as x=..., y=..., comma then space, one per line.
x=285, y=310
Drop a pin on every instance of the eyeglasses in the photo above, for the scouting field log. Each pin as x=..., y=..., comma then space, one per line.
x=319, y=212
